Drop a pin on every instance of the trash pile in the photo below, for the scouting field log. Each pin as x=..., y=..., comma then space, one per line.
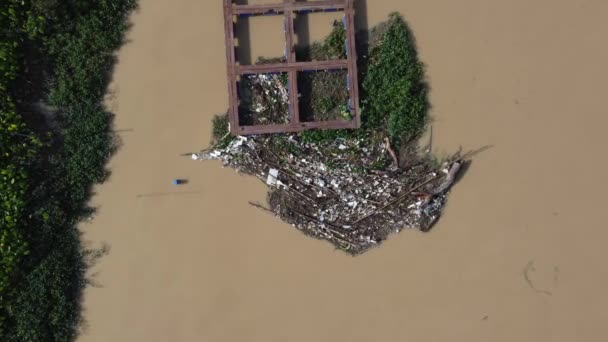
x=334, y=190
x=265, y=99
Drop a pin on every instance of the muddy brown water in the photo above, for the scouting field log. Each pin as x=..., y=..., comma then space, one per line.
x=519, y=255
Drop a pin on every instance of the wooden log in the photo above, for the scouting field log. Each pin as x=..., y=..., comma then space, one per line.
x=453, y=171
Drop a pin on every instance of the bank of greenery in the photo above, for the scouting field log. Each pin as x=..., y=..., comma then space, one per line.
x=59, y=52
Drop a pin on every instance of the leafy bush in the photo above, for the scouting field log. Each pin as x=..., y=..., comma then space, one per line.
x=323, y=136
x=83, y=56
x=221, y=128
x=8, y=67
x=44, y=308
x=333, y=47
x=87, y=145
x=395, y=94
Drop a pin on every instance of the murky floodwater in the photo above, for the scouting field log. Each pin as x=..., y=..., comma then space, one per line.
x=519, y=256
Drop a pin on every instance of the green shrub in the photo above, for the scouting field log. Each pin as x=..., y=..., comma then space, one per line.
x=221, y=129
x=395, y=94
x=324, y=136
x=87, y=145
x=44, y=308
x=83, y=56
x=333, y=47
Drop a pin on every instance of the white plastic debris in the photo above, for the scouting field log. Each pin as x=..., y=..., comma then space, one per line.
x=240, y=141
x=272, y=179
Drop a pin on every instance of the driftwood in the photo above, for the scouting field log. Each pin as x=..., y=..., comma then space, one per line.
x=453, y=171
x=471, y=154
x=341, y=236
x=429, y=147
x=261, y=207
x=304, y=196
x=390, y=150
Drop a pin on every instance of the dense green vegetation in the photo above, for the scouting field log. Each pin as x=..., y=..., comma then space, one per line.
x=394, y=91
x=60, y=52
x=19, y=148
x=332, y=47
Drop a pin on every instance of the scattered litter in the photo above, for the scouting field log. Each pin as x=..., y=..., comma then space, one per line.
x=272, y=179
x=179, y=181
x=335, y=193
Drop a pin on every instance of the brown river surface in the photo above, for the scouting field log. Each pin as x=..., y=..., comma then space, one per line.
x=519, y=255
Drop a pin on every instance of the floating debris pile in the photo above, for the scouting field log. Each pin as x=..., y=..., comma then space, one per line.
x=265, y=99
x=350, y=191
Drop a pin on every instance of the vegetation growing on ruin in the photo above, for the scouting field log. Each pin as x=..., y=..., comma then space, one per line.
x=393, y=90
